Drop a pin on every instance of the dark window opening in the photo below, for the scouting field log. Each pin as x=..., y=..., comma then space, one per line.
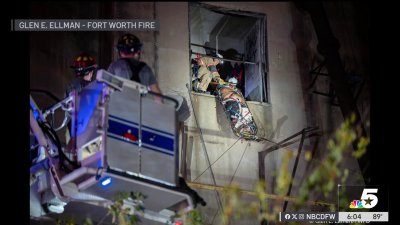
x=238, y=39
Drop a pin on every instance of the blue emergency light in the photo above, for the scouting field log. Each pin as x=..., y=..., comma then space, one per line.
x=105, y=181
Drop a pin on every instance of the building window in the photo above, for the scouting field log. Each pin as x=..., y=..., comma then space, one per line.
x=239, y=39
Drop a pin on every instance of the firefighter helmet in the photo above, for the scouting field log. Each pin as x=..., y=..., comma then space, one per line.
x=129, y=43
x=83, y=64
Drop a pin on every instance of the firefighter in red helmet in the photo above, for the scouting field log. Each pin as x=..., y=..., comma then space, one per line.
x=84, y=66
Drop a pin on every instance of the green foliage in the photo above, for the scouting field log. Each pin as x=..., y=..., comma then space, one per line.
x=87, y=222
x=361, y=147
x=68, y=221
x=283, y=179
x=193, y=217
x=123, y=215
x=325, y=177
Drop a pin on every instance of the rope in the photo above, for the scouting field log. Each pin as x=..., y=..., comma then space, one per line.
x=215, y=215
x=204, y=149
x=209, y=167
x=233, y=176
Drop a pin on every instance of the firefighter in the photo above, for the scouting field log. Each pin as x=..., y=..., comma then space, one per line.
x=207, y=72
x=129, y=66
x=84, y=66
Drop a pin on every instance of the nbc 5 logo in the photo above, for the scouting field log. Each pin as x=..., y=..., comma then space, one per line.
x=367, y=201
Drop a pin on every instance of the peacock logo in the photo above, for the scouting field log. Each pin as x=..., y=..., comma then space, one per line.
x=356, y=204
